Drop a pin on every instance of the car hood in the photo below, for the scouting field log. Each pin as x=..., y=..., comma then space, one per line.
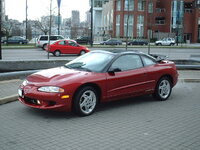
x=158, y=41
x=55, y=76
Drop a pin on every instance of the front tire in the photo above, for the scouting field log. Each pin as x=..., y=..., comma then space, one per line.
x=85, y=101
x=163, y=89
x=82, y=52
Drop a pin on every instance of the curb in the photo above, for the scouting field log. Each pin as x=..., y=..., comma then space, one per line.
x=8, y=99
x=190, y=80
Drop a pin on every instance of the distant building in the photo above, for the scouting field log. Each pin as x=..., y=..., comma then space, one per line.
x=97, y=15
x=88, y=18
x=157, y=18
x=3, y=11
x=107, y=19
x=75, y=19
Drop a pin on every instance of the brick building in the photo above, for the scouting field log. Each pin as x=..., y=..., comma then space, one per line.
x=157, y=19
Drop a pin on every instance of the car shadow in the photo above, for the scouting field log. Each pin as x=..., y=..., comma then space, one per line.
x=134, y=101
x=49, y=114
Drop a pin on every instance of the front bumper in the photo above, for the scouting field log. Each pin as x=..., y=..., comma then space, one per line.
x=30, y=96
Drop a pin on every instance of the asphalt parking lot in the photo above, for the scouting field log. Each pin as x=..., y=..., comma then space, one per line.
x=140, y=123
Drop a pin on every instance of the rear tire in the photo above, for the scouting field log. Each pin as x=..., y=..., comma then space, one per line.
x=44, y=46
x=85, y=101
x=163, y=89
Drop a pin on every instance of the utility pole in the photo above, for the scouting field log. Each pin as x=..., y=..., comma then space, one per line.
x=91, y=33
x=127, y=24
x=26, y=20
x=0, y=29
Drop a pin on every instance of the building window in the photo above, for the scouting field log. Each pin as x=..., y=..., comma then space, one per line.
x=160, y=10
x=141, y=5
x=150, y=7
x=188, y=7
x=118, y=5
x=130, y=25
x=177, y=14
x=140, y=26
x=129, y=5
x=160, y=20
x=118, y=26
x=98, y=3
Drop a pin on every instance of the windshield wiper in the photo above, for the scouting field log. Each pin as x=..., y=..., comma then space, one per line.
x=75, y=65
x=78, y=66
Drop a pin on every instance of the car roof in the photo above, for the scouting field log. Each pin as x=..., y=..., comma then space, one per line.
x=117, y=52
x=122, y=52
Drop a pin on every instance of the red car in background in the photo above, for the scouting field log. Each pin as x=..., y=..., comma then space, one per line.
x=66, y=47
x=98, y=76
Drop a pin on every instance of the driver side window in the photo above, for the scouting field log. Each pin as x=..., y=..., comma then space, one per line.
x=127, y=62
x=62, y=43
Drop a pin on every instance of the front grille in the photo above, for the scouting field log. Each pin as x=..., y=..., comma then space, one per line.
x=33, y=101
x=30, y=100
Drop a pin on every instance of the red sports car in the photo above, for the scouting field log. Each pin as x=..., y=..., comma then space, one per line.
x=66, y=47
x=98, y=76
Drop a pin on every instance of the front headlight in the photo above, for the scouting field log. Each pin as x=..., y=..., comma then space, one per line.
x=25, y=82
x=51, y=89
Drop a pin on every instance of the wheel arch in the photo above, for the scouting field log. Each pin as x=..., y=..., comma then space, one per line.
x=169, y=77
x=94, y=85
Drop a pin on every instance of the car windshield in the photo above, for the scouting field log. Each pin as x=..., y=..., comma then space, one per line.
x=92, y=62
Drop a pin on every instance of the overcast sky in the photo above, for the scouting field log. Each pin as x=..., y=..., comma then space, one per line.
x=15, y=9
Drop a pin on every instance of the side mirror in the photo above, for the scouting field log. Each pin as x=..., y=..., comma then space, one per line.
x=113, y=70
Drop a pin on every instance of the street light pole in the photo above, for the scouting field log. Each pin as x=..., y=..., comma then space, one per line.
x=150, y=24
x=59, y=19
x=0, y=29
x=49, y=27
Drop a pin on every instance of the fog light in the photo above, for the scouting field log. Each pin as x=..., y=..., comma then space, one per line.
x=38, y=102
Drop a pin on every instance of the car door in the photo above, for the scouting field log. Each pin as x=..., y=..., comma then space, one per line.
x=126, y=77
x=61, y=46
x=71, y=48
x=152, y=71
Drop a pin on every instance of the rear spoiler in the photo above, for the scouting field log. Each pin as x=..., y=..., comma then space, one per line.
x=158, y=57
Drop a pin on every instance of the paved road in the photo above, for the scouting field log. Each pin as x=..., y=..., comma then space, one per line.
x=35, y=54
x=134, y=124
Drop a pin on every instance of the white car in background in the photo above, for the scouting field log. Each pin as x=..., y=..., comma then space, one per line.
x=44, y=39
x=166, y=41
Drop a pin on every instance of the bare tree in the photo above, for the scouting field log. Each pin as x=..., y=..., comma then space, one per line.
x=44, y=27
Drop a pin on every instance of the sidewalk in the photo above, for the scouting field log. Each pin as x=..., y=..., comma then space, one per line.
x=8, y=88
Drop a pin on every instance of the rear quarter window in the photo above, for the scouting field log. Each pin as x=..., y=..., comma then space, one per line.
x=43, y=38
x=148, y=61
x=53, y=38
